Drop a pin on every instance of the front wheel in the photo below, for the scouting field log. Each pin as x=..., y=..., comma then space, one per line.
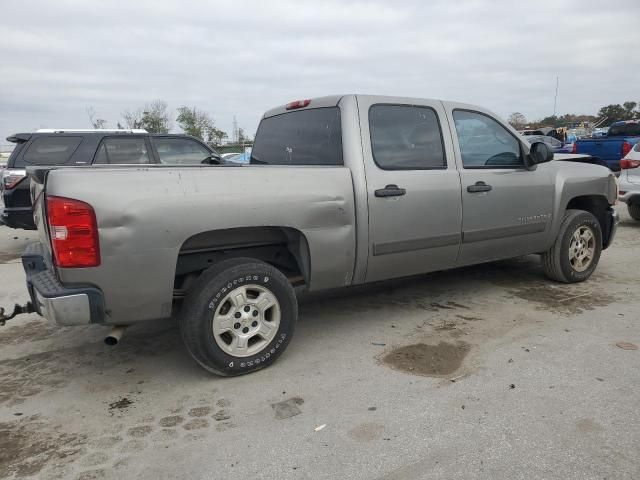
x=576, y=251
x=238, y=317
x=634, y=210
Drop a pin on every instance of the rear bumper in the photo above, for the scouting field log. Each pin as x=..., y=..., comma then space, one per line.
x=629, y=192
x=18, y=217
x=78, y=305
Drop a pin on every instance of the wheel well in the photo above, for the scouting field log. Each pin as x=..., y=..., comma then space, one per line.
x=595, y=204
x=284, y=248
x=634, y=200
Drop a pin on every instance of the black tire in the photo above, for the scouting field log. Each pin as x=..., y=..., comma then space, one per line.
x=634, y=210
x=555, y=262
x=202, y=300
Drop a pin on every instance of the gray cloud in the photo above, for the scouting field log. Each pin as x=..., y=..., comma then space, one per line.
x=242, y=58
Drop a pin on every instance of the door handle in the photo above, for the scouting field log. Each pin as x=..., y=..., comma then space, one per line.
x=390, y=191
x=479, y=187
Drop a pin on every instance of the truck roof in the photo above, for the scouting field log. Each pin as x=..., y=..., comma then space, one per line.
x=317, y=102
x=333, y=100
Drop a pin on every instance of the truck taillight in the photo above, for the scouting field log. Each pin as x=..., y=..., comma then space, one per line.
x=625, y=164
x=11, y=180
x=74, y=233
x=574, y=148
x=626, y=148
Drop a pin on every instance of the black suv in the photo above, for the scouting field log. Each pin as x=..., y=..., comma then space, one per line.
x=87, y=147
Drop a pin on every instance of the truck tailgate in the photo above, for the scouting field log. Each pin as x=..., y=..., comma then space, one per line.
x=607, y=149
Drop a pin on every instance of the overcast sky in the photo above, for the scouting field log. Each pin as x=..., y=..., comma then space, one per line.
x=241, y=58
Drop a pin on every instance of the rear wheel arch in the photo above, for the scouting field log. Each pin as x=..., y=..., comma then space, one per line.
x=285, y=248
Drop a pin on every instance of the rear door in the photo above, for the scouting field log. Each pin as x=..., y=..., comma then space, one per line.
x=413, y=187
x=507, y=209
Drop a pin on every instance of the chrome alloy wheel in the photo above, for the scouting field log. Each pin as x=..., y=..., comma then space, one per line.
x=582, y=248
x=246, y=320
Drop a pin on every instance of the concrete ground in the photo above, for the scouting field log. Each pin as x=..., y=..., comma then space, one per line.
x=485, y=372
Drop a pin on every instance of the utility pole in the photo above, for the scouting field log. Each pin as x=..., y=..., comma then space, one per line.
x=235, y=130
x=555, y=99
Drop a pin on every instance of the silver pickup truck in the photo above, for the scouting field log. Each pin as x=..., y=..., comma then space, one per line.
x=340, y=190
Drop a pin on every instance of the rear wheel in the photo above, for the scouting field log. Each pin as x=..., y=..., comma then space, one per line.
x=576, y=251
x=238, y=317
x=634, y=210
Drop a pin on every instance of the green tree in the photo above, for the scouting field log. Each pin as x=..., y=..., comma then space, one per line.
x=199, y=123
x=549, y=121
x=154, y=117
x=627, y=111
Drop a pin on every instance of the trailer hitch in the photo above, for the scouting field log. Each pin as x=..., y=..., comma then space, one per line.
x=17, y=310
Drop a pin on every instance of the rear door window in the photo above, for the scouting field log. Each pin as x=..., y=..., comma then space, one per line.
x=405, y=137
x=305, y=137
x=51, y=150
x=180, y=151
x=122, y=151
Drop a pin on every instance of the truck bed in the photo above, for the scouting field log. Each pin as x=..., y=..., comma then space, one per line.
x=147, y=214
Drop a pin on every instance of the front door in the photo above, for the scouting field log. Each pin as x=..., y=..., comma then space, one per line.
x=506, y=208
x=413, y=188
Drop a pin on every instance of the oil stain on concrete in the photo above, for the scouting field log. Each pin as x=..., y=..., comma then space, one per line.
x=27, y=446
x=428, y=360
x=287, y=408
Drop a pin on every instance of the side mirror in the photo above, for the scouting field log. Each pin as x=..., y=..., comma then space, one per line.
x=540, y=152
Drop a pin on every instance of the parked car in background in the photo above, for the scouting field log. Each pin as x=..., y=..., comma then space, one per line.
x=533, y=133
x=228, y=155
x=239, y=158
x=554, y=144
x=629, y=181
x=619, y=140
x=599, y=132
x=88, y=147
x=340, y=191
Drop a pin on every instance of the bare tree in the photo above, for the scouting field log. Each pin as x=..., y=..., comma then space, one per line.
x=154, y=117
x=95, y=122
x=517, y=120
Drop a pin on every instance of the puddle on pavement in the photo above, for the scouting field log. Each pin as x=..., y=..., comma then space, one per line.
x=429, y=360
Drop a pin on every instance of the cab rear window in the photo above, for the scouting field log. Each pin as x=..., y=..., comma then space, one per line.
x=631, y=129
x=305, y=137
x=51, y=150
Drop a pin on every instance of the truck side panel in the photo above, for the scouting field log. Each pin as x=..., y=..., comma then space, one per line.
x=145, y=215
